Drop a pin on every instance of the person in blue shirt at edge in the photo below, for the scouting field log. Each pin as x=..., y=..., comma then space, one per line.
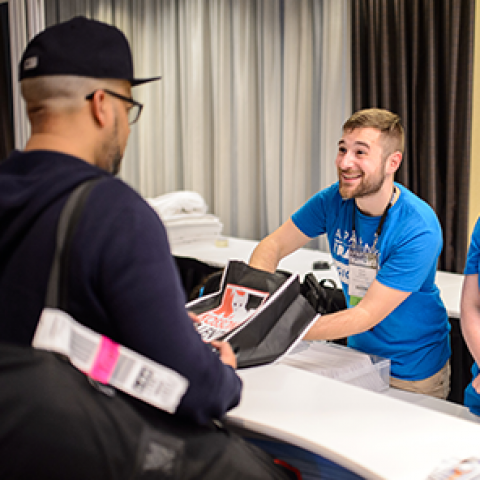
x=385, y=242
x=77, y=78
x=470, y=317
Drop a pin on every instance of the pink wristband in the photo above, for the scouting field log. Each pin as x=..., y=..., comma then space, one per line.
x=105, y=361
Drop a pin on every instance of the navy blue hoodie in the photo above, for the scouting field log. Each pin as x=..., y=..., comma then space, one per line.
x=123, y=281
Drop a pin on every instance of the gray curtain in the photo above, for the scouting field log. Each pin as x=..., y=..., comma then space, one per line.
x=250, y=106
x=6, y=118
x=415, y=57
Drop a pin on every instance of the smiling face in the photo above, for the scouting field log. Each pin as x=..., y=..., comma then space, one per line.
x=361, y=163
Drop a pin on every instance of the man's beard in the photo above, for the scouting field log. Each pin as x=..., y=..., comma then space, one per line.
x=113, y=152
x=365, y=187
x=116, y=163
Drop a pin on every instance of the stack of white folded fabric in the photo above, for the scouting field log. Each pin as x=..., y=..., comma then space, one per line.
x=185, y=217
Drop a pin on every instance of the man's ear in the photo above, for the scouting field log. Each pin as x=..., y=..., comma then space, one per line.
x=394, y=161
x=99, y=108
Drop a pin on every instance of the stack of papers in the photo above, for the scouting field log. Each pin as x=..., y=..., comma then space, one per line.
x=341, y=363
x=185, y=217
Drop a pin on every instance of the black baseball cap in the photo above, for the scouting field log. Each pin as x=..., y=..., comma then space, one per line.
x=80, y=47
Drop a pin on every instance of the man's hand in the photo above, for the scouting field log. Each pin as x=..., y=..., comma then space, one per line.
x=194, y=317
x=224, y=349
x=226, y=353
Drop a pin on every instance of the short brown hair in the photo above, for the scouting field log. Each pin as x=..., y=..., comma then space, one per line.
x=389, y=124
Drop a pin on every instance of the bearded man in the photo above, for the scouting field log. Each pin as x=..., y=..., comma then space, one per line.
x=385, y=242
x=76, y=78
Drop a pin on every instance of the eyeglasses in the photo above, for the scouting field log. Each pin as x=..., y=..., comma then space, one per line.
x=133, y=112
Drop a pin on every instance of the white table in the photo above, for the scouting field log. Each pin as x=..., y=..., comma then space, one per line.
x=394, y=435
x=374, y=435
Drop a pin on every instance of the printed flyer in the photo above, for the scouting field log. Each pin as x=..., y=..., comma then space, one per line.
x=238, y=305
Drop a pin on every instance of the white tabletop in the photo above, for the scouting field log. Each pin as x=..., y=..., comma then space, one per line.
x=450, y=285
x=301, y=262
x=374, y=435
x=394, y=435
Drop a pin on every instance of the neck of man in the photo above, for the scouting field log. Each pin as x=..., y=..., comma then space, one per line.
x=375, y=204
x=58, y=137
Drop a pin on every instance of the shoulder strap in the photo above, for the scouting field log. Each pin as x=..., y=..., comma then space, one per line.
x=57, y=283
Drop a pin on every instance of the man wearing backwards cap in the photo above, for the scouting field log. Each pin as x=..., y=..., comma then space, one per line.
x=76, y=79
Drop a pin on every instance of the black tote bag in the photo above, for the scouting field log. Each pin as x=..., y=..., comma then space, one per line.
x=278, y=313
x=55, y=424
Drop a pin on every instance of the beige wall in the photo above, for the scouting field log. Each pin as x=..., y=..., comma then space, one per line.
x=474, y=202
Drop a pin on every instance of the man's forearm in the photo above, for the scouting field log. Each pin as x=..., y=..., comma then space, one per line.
x=265, y=256
x=282, y=242
x=470, y=314
x=341, y=324
x=470, y=323
x=377, y=304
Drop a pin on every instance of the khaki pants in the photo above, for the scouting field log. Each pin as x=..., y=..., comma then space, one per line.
x=438, y=385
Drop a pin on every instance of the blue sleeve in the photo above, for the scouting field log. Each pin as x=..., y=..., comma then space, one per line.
x=311, y=218
x=142, y=293
x=472, y=264
x=411, y=258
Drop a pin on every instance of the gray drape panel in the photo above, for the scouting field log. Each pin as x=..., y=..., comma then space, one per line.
x=6, y=127
x=250, y=106
x=415, y=58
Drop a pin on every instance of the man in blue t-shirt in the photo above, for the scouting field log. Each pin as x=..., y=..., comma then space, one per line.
x=385, y=242
x=470, y=317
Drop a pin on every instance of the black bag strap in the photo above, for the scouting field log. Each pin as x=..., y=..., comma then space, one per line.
x=57, y=288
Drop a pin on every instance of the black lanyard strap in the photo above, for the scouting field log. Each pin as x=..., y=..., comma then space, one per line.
x=382, y=220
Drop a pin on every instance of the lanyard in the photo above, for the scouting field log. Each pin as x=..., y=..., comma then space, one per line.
x=380, y=225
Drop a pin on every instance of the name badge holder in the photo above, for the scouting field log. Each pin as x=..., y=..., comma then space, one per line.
x=363, y=268
x=363, y=265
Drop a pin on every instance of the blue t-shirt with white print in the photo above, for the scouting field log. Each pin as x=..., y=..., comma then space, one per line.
x=472, y=266
x=415, y=336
